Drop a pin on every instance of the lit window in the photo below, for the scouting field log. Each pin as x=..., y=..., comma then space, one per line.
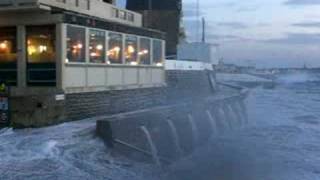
x=41, y=44
x=41, y=63
x=76, y=46
x=157, y=52
x=97, y=46
x=144, y=51
x=115, y=48
x=131, y=50
x=8, y=55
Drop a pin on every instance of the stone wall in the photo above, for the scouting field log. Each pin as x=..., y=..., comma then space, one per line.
x=85, y=105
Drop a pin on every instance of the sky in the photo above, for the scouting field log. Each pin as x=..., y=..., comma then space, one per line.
x=264, y=33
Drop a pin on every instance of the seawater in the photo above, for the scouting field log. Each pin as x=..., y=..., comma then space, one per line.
x=280, y=143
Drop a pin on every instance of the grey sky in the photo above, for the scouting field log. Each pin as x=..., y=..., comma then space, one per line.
x=263, y=32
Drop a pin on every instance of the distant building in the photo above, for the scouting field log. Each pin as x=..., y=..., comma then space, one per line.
x=198, y=51
x=163, y=15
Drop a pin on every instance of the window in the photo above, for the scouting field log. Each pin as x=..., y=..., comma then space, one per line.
x=40, y=44
x=157, y=52
x=115, y=12
x=8, y=55
x=130, y=17
x=97, y=46
x=115, y=48
x=131, y=50
x=122, y=15
x=41, y=63
x=144, y=51
x=76, y=46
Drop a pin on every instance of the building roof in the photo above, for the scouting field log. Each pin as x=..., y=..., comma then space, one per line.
x=155, y=4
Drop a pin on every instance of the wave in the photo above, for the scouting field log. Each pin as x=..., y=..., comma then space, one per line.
x=299, y=77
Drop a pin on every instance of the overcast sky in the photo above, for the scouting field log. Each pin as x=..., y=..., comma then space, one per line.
x=266, y=33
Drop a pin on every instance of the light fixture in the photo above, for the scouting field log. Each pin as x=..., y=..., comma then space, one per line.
x=159, y=64
x=131, y=49
x=4, y=45
x=99, y=47
x=93, y=54
x=79, y=46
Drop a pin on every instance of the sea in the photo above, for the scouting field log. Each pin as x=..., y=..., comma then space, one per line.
x=281, y=142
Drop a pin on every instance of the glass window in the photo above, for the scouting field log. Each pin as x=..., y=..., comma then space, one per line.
x=144, y=51
x=97, y=46
x=76, y=46
x=131, y=50
x=41, y=66
x=8, y=45
x=8, y=55
x=41, y=44
x=115, y=48
x=157, y=52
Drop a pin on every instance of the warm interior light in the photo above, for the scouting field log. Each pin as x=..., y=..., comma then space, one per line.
x=93, y=54
x=159, y=64
x=43, y=48
x=4, y=45
x=134, y=63
x=131, y=49
x=99, y=47
x=143, y=52
x=79, y=46
x=31, y=50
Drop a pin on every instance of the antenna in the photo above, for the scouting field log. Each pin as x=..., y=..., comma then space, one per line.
x=198, y=19
x=203, y=30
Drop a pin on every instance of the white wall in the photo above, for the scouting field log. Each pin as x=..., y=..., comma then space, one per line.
x=91, y=78
x=203, y=52
x=187, y=65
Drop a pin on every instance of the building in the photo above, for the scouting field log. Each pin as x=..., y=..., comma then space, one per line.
x=199, y=51
x=55, y=52
x=162, y=15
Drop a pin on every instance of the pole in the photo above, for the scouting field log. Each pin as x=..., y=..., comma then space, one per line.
x=197, y=20
x=203, y=30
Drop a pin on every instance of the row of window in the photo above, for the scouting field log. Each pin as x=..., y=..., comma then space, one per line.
x=124, y=15
x=112, y=48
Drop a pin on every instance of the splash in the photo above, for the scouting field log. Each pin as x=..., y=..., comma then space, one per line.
x=298, y=77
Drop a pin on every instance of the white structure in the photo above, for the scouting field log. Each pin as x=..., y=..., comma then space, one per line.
x=198, y=51
x=187, y=65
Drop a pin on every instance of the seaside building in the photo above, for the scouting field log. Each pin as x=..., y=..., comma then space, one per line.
x=56, y=52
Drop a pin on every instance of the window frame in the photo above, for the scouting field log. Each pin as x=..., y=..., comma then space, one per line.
x=105, y=44
x=85, y=60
